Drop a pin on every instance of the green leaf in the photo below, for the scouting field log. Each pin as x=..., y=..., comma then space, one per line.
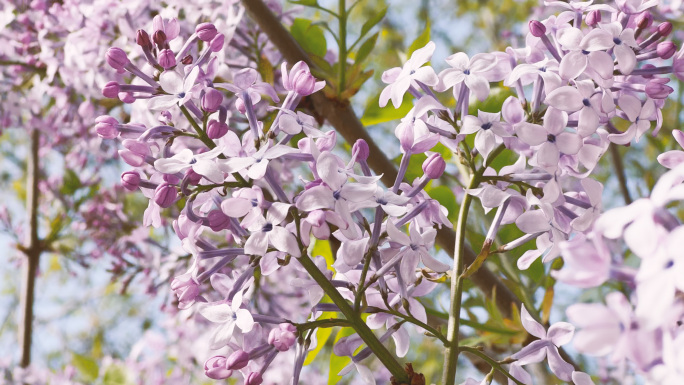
x=86, y=366
x=420, y=41
x=71, y=182
x=415, y=167
x=376, y=115
x=116, y=375
x=372, y=22
x=323, y=249
x=309, y=36
x=308, y=3
x=366, y=49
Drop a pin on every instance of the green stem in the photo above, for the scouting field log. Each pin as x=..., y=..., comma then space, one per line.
x=452, y=348
x=490, y=361
x=323, y=323
x=354, y=319
x=342, y=45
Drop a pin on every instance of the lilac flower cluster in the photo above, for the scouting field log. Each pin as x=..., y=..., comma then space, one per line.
x=259, y=187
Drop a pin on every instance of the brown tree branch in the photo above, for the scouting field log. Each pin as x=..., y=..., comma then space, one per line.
x=340, y=115
x=31, y=250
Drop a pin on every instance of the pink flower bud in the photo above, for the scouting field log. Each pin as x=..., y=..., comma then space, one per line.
x=254, y=378
x=644, y=20
x=647, y=66
x=665, y=28
x=126, y=97
x=193, y=177
x=217, y=42
x=361, y=149
x=116, y=58
x=304, y=83
x=211, y=100
x=130, y=180
x=170, y=178
x=238, y=360
x=215, y=368
x=218, y=221
x=593, y=18
x=206, y=31
x=105, y=126
x=216, y=129
x=434, y=166
x=657, y=89
x=281, y=339
x=666, y=49
x=166, y=59
x=537, y=29
x=287, y=327
x=165, y=195
x=110, y=90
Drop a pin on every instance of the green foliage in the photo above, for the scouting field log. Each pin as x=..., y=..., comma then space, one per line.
x=116, y=375
x=420, y=41
x=374, y=114
x=309, y=36
x=86, y=366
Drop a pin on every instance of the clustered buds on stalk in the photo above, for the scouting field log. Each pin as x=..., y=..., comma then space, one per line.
x=270, y=184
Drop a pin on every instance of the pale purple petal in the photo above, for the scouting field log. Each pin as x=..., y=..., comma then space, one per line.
x=531, y=325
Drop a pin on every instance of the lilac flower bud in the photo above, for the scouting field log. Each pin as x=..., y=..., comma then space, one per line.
x=593, y=18
x=116, y=58
x=537, y=29
x=126, y=97
x=434, y=166
x=186, y=288
x=218, y=221
x=647, y=66
x=130, y=180
x=216, y=129
x=211, y=100
x=304, y=83
x=110, y=90
x=254, y=378
x=238, y=360
x=666, y=49
x=193, y=177
x=166, y=59
x=159, y=38
x=143, y=39
x=215, y=368
x=170, y=178
x=644, y=20
x=217, y=42
x=287, y=327
x=165, y=195
x=657, y=89
x=165, y=117
x=105, y=126
x=206, y=31
x=281, y=339
x=361, y=149
x=157, y=23
x=665, y=28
